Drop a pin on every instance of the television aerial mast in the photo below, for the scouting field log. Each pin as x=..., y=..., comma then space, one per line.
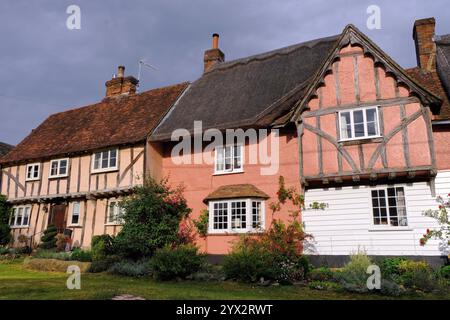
x=143, y=63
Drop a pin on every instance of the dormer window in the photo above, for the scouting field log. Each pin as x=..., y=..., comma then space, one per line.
x=105, y=160
x=361, y=123
x=33, y=171
x=59, y=168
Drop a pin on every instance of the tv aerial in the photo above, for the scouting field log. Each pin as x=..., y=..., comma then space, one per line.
x=144, y=64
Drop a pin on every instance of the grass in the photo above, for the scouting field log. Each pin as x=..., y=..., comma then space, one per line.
x=16, y=282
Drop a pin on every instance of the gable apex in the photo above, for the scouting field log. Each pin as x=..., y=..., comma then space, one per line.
x=351, y=35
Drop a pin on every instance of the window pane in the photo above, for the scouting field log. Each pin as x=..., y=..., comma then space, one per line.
x=12, y=218
x=29, y=172
x=26, y=216
x=220, y=216
x=75, y=213
x=237, y=157
x=359, y=130
x=346, y=131
x=104, y=159
x=63, y=167
x=371, y=129
x=238, y=215
x=256, y=214
x=36, y=171
x=228, y=160
x=219, y=159
x=112, y=158
x=54, y=170
x=358, y=116
x=19, y=217
x=370, y=115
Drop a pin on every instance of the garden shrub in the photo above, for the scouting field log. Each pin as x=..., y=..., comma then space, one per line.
x=104, y=263
x=101, y=247
x=249, y=263
x=130, y=268
x=353, y=276
x=391, y=288
x=4, y=251
x=321, y=274
x=152, y=219
x=444, y=272
x=51, y=254
x=176, y=262
x=5, y=230
x=274, y=255
x=48, y=239
x=53, y=265
x=61, y=241
x=390, y=266
x=417, y=275
x=81, y=255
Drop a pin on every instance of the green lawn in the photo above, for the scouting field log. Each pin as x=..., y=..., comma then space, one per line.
x=19, y=283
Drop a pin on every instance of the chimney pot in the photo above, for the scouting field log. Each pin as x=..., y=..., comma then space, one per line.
x=213, y=55
x=121, y=71
x=120, y=85
x=215, y=41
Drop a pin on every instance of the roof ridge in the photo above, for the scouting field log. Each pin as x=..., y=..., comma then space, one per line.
x=121, y=96
x=269, y=54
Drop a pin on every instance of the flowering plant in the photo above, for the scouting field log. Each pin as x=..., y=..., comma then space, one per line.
x=441, y=216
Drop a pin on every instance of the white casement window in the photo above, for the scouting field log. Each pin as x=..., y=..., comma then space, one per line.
x=389, y=207
x=359, y=123
x=20, y=217
x=228, y=159
x=105, y=160
x=75, y=219
x=115, y=213
x=59, y=168
x=236, y=216
x=33, y=171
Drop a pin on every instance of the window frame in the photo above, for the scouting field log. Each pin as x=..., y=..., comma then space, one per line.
x=58, y=175
x=117, y=221
x=351, y=111
x=249, y=216
x=33, y=165
x=388, y=226
x=233, y=170
x=72, y=214
x=15, y=213
x=107, y=169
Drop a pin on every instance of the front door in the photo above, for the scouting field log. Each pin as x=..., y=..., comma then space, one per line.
x=58, y=217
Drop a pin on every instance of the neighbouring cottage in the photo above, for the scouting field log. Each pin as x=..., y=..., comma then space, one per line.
x=72, y=170
x=336, y=117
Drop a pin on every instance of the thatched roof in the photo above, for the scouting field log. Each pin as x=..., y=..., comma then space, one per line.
x=246, y=92
x=235, y=191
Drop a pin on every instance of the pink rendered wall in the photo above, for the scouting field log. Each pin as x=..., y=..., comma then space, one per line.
x=441, y=136
x=199, y=181
x=352, y=82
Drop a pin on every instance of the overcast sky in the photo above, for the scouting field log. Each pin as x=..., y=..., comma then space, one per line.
x=47, y=68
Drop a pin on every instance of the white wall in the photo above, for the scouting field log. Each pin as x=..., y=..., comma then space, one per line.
x=346, y=226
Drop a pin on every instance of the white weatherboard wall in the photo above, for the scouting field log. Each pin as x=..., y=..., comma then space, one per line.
x=346, y=226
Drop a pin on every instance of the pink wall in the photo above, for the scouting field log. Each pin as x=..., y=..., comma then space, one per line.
x=199, y=181
x=352, y=82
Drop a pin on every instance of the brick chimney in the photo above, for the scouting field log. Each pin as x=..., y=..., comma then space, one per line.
x=213, y=55
x=121, y=85
x=423, y=35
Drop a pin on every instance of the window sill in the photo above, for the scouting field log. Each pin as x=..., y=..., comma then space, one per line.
x=373, y=139
x=387, y=228
x=31, y=180
x=234, y=233
x=112, y=224
x=57, y=177
x=19, y=227
x=74, y=226
x=227, y=172
x=104, y=170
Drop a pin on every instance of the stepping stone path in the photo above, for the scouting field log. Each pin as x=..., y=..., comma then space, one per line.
x=127, y=297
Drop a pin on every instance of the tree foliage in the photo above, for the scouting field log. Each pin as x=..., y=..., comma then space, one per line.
x=152, y=219
x=5, y=230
